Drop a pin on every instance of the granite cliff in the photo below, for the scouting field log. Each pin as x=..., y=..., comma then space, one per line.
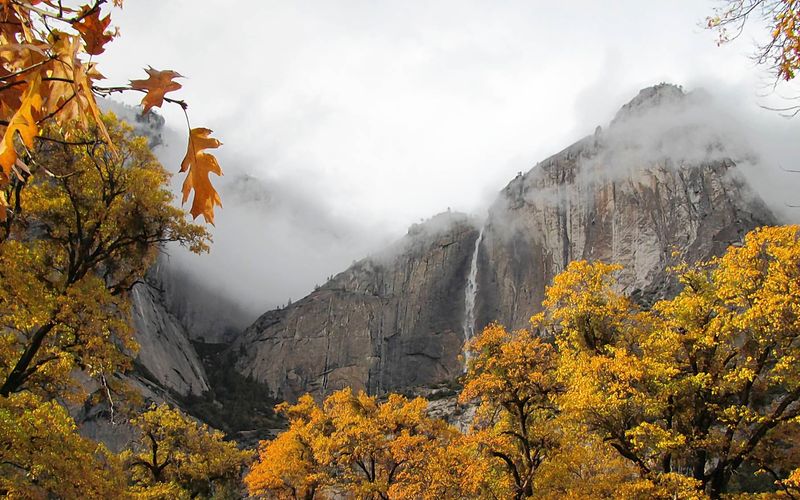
x=659, y=185
x=392, y=320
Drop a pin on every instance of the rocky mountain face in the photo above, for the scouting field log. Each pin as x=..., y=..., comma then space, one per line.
x=392, y=320
x=553, y=215
x=658, y=186
x=166, y=355
x=170, y=314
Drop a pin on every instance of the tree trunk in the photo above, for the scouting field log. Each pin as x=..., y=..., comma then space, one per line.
x=716, y=486
x=18, y=375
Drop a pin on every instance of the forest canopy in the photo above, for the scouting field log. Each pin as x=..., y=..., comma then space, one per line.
x=695, y=397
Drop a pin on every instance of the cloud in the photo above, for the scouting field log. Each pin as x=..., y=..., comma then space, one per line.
x=343, y=123
x=275, y=237
x=699, y=127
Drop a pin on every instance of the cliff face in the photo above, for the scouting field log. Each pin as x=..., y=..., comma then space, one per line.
x=165, y=354
x=390, y=321
x=657, y=187
x=554, y=215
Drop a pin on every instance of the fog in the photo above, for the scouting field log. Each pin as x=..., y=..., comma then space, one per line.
x=700, y=126
x=344, y=123
x=276, y=237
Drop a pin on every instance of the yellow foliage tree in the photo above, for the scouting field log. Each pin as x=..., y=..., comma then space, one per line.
x=92, y=222
x=700, y=384
x=352, y=444
x=582, y=466
x=513, y=375
x=456, y=470
x=177, y=457
x=43, y=456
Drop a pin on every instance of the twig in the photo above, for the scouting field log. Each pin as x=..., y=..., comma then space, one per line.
x=110, y=399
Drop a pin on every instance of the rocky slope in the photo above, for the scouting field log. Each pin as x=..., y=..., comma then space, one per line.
x=667, y=213
x=659, y=185
x=166, y=355
x=392, y=320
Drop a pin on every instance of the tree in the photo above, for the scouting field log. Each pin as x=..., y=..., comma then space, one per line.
x=48, y=75
x=43, y=456
x=582, y=466
x=287, y=467
x=782, y=17
x=513, y=375
x=455, y=470
x=703, y=383
x=91, y=225
x=352, y=444
x=175, y=456
x=781, y=52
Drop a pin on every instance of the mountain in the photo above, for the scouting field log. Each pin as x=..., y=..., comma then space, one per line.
x=660, y=185
x=389, y=321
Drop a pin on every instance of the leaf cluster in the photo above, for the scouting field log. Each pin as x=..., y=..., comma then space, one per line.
x=49, y=89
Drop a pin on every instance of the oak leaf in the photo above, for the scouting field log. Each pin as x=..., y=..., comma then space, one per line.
x=197, y=165
x=93, y=31
x=157, y=84
x=23, y=122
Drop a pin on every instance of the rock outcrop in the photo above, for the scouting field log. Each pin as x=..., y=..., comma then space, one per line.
x=392, y=320
x=668, y=213
x=165, y=356
x=659, y=186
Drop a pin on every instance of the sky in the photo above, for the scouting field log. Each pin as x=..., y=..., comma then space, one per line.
x=344, y=122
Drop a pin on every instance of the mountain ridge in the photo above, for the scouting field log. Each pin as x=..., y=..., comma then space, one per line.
x=664, y=193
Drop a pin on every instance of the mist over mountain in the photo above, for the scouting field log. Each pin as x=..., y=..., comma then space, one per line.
x=278, y=236
x=665, y=181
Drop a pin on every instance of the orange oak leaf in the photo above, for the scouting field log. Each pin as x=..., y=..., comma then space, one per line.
x=93, y=31
x=68, y=90
x=198, y=165
x=158, y=84
x=23, y=122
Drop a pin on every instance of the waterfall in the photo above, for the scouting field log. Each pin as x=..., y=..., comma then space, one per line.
x=470, y=293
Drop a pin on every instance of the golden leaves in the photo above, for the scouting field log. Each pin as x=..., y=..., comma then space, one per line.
x=93, y=31
x=43, y=50
x=177, y=449
x=43, y=455
x=352, y=443
x=24, y=123
x=198, y=165
x=157, y=84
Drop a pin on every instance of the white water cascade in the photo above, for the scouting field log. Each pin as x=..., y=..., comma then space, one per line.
x=470, y=293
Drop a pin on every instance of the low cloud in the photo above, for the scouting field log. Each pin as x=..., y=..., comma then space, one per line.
x=279, y=235
x=274, y=239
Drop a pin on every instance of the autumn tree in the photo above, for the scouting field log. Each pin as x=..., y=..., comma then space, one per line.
x=352, y=443
x=49, y=83
x=91, y=225
x=43, y=456
x=583, y=466
x=700, y=385
x=287, y=467
x=174, y=456
x=781, y=50
x=513, y=376
x=458, y=469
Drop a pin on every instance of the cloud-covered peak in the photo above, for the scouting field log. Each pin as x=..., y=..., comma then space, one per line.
x=663, y=94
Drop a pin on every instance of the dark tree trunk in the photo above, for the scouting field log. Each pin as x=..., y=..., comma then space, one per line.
x=20, y=374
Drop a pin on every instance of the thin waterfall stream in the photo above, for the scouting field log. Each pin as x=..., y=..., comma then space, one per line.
x=470, y=293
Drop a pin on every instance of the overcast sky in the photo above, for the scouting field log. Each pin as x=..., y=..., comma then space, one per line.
x=358, y=118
